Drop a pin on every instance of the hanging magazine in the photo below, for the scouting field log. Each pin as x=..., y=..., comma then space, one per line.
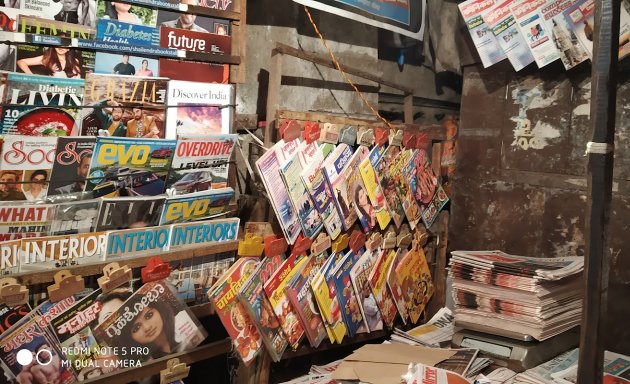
x=487, y=45
x=572, y=52
x=505, y=30
x=535, y=30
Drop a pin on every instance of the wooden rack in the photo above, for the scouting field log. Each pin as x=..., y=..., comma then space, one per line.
x=39, y=277
x=154, y=367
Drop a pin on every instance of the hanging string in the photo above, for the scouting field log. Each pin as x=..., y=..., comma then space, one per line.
x=343, y=73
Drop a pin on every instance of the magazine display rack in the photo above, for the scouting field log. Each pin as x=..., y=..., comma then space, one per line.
x=236, y=18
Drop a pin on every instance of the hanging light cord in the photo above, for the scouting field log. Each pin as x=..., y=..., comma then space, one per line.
x=343, y=73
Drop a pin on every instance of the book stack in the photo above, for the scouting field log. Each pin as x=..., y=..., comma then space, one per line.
x=497, y=292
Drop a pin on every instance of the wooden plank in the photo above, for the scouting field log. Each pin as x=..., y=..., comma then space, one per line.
x=326, y=345
x=154, y=367
x=439, y=276
x=203, y=310
x=436, y=158
x=40, y=277
x=273, y=96
x=326, y=61
x=238, y=74
x=434, y=132
x=264, y=367
x=214, y=57
x=408, y=108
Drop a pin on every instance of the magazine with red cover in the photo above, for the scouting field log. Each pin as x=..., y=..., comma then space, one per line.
x=252, y=296
x=394, y=287
x=274, y=288
x=378, y=284
x=10, y=316
x=301, y=297
x=239, y=326
x=34, y=337
x=195, y=71
x=152, y=320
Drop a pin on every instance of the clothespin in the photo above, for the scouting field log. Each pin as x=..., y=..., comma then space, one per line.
x=174, y=371
x=302, y=244
x=409, y=140
x=330, y=133
x=365, y=137
x=290, y=130
x=374, y=242
x=382, y=135
x=348, y=135
x=340, y=243
x=396, y=137
x=422, y=140
x=114, y=276
x=404, y=237
x=321, y=244
x=251, y=245
x=421, y=236
x=357, y=241
x=156, y=269
x=311, y=132
x=12, y=293
x=389, y=241
x=66, y=285
x=259, y=228
x=275, y=245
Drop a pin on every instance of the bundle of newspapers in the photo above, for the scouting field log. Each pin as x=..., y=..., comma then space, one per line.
x=501, y=293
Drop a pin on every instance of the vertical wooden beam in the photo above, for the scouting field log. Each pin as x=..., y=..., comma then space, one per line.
x=273, y=95
x=436, y=158
x=600, y=177
x=439, y=275
x=408, y=108
x=238, y=73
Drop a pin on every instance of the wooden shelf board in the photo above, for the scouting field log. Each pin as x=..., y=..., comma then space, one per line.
x=154, y=367
x=435, y=132
x=306, y=349
x=39, y=277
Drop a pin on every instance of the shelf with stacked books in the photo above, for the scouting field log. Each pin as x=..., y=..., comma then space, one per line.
x=306, y=349
x=153, y=367
x=40, y=277
x=15, y=38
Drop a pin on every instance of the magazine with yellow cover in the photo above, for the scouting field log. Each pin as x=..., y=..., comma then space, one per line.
x=414, y=279
x=374, y=191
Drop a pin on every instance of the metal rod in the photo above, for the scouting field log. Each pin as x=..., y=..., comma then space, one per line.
x=600, y=177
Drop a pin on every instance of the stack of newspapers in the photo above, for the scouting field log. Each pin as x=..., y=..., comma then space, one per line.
x=521, y=296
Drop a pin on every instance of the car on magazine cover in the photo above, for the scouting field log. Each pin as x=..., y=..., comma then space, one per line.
x=194, y=182
x=162, y=153
x=122, y=181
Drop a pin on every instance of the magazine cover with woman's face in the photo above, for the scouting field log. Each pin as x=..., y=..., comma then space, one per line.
x=151, y=324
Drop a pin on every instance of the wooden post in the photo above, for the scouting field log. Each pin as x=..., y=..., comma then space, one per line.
x=273, y=95
x=408, y=108
x=239, y=43
x=600, y=177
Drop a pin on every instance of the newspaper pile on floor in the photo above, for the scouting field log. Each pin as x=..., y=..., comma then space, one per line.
x=522, y=295
x=561, y=370
x=318, y=374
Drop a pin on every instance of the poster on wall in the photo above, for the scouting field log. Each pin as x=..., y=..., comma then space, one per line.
x=405, y=17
